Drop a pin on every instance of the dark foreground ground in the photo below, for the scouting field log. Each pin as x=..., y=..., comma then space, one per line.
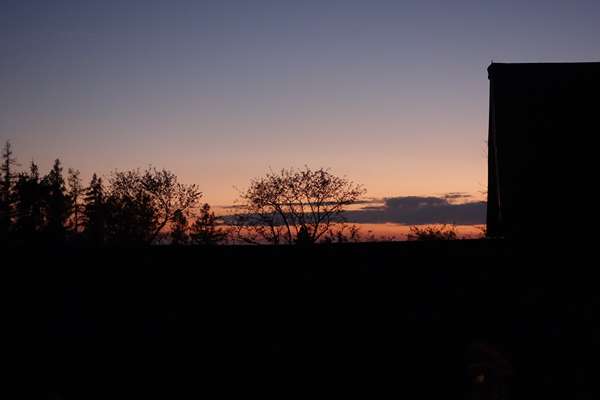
x=463, y=319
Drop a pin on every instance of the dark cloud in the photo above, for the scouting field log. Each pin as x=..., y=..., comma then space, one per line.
x=422, y=210
x=414, y=210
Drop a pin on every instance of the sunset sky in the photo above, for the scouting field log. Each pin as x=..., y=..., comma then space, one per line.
x=391, y=94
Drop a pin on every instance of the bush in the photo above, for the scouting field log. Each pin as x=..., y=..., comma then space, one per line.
x=433, y=232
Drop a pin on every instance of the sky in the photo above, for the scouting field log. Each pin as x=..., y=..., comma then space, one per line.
x=391, y=94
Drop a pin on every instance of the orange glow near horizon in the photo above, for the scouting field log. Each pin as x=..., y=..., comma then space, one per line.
x=392, y=231
x=399, y=168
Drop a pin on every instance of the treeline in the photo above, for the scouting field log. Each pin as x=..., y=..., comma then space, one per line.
x=135, y=207
x=145, y=207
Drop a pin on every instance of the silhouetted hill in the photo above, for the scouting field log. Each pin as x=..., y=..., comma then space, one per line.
x=368, y=318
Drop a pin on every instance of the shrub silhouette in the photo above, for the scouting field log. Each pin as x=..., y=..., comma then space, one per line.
x=433, y=232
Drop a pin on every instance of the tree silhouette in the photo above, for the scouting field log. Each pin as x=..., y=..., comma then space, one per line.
x=143, y=207
x=141, y=204
x=57, y=202
x=294, y=206
x=75, y=193
x=130, y=211
x=29, y=200
x=204, y=230
x=94, y=212
x=168, y=196
x=6, y=187
x=179, y=229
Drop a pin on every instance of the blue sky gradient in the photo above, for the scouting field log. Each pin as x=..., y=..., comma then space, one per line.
x=392, y=94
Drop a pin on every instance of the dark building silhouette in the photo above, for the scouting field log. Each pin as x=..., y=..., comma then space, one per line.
x=543, y=127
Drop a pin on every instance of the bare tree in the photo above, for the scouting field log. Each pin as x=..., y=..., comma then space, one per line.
x=169, y=196
x=294, y=206
x=141, y=204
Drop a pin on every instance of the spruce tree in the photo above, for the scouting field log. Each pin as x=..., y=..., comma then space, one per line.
x=57, y=203
x=6, y=191
x=204, y=230
x=29, y=203
x=75, y=193
x=94, y=212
